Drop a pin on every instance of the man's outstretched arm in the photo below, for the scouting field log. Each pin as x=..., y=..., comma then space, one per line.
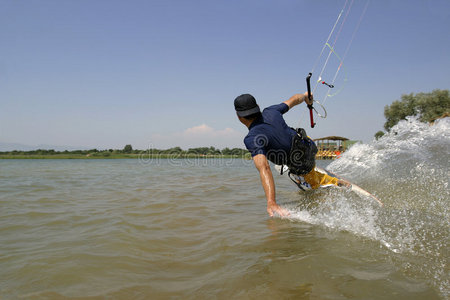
x=268, y=184
x=297, y=99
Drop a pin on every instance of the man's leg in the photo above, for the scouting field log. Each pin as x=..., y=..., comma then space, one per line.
x=316, y=179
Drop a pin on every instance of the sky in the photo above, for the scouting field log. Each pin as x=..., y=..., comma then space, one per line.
x=160, y=74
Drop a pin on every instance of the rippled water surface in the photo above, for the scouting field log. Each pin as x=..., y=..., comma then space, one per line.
x=156, y=229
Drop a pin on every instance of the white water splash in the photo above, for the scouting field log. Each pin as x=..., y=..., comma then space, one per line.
x=409, y=170
x=410, y=141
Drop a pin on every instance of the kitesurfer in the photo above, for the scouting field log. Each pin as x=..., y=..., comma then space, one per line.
x=271, y=139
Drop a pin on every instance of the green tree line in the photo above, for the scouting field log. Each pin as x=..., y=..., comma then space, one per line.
x=128, y=150
x=429, y=106
x=200, y=151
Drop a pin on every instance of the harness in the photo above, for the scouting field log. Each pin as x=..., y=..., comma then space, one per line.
x=301, y=159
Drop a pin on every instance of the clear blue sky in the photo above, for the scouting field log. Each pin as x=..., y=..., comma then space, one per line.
x=165, y=73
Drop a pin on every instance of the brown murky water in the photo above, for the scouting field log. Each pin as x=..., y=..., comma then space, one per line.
x=198, y=229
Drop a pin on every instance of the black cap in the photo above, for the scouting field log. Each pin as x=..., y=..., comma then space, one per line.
x=245, y=105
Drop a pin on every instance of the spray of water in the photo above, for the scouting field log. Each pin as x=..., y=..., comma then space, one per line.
x=409, y=170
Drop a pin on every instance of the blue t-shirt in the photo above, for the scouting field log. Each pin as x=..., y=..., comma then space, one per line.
x=270, y=135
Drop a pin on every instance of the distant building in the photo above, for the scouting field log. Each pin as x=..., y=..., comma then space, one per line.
x=332, y=147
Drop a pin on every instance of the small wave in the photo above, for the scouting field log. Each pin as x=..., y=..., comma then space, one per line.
x=341, y=210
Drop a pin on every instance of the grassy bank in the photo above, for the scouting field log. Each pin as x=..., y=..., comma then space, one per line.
x=117, y=156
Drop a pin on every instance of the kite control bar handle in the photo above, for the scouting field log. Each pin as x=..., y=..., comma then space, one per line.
x=308, y=84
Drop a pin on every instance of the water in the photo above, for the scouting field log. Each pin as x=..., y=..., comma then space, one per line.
x=157, y=229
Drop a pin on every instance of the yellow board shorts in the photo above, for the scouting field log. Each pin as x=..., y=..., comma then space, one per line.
x=316, y=178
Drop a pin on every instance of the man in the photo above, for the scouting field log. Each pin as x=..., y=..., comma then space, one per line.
x=270, y=138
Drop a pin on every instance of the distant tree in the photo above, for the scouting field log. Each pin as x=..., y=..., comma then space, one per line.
x=428, y=105
x=226, y=151
x=379, y=134
x=153, y=151
x=127, y=149
x=200, y=150
x=213, y=150
x=192, y=151
x=239, y=151
x=176, y=150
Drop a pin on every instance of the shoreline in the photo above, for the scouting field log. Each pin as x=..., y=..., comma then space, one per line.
x=118, y=156
x=131, y=156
